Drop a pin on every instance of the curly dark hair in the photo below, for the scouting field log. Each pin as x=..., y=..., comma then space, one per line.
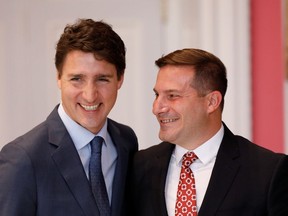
x=95, y=37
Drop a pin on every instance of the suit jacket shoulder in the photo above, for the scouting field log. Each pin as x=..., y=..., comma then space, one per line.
x=147, y=182
x=247, y=179
x=241, y=178
x=118, y=130
x=43, y=169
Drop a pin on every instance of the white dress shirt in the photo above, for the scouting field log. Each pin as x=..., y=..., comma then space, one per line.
x=202, y=169
x=81, y=138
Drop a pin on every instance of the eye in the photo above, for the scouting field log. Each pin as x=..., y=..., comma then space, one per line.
x=156, y=94
x=75, y=78
x=103, y=79
x=172, y=96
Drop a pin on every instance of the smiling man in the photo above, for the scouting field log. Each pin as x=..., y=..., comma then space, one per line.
x=201, y=168
x=76, y=162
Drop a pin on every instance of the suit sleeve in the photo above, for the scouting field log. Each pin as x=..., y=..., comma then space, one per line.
x=278, y=202
x=17, y=183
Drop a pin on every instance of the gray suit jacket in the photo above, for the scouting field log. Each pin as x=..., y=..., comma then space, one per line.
x=41, y=172
x=246, y=180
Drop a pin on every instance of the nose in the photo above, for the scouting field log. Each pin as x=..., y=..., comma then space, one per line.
x=159, y=106
x=90, y=93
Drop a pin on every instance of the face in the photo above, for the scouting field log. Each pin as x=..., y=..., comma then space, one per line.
x=181, y=113
x=88, y=89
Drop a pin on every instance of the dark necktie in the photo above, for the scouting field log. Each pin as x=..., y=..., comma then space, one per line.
x=96, y=177
x=186, y=195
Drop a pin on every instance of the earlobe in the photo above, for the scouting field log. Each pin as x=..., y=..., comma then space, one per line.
x=58, y=79
x=214, y=100
x=59, y=83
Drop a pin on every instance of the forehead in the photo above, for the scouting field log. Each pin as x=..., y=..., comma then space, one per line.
x=171, y=76
x=85, y=63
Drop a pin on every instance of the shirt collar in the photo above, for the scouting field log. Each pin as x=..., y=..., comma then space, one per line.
x=80, y=135
x=205, y=152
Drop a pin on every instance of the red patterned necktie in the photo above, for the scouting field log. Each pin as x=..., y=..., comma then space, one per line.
x=186, y=195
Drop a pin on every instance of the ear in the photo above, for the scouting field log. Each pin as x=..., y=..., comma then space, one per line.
x=58, y=81
x=214, y=101
x=120, y=81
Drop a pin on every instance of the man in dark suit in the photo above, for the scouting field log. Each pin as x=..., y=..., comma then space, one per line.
x=226, y=174
x=47, y=171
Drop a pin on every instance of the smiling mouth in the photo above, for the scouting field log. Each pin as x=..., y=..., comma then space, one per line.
x=165, y=121
x=90, y=108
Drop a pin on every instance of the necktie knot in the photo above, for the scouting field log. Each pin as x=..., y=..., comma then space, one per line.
x=96, y=144
x=188, y=159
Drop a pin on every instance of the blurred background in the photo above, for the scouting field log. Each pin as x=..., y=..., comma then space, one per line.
x=249, y=36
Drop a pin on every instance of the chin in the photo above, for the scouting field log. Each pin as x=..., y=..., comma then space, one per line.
x=164, y=138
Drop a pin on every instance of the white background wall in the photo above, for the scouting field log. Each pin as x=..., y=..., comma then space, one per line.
x=29, y=30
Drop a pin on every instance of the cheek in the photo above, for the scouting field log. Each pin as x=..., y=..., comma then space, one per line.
x=190, y=113
x=109, y=94
x=69, y=92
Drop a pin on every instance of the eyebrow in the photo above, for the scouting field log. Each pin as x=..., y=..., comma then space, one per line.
x=167, y=91
x=83, y=75
x=75, y=75
x=104, y=75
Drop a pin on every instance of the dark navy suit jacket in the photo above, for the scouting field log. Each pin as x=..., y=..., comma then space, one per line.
x=246, y=180
x=41, y=172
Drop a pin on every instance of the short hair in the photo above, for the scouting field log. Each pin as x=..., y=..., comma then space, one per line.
x=95, y=37
x=210, y=72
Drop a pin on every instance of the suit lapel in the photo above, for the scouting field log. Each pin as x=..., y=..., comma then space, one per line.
x=121, y=167
x=69, y=164
x=224, y=172
x=161, y=165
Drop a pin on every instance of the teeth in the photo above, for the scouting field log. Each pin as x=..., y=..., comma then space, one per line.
x=168, y=120
x=89, y=108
